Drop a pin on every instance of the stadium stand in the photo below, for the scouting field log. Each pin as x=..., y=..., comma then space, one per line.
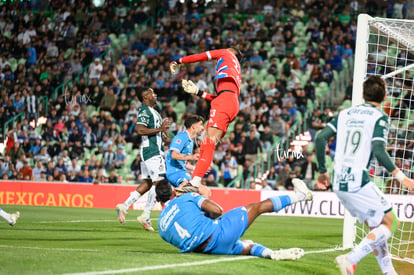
x=68, y=62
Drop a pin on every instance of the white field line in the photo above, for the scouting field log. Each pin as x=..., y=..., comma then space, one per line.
x=86, y=221
x=158, y=267
x=153, y=267
x=54, y=248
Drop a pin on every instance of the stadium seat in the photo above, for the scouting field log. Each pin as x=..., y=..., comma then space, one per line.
x=180, y=107
x=13, y=63
x=257, y=45
x=268, y=45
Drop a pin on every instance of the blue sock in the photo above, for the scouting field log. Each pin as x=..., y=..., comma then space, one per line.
x=280, y=202
x=257, y=250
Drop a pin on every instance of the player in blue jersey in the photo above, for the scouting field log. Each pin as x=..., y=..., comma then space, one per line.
x=188, y=222
x=181, y=151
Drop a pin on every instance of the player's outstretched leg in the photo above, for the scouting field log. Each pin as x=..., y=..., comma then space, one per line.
x=121, y=212
x=258, y=250
x=287, y=254
x=301, y=187
x=10, y=218
x=122, y=208
x=145, y=219
x=345, y=267
x=376, y=238
x=207, y=148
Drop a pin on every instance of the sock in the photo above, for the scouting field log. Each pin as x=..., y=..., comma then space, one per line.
x=196, y=181
x=296, y=197
x=259, y=250
x=133, y=197
x=4, y=215
x=151, y=200
x=207, y=148
x=375, y=238
x=280, y=202
x=384, y=259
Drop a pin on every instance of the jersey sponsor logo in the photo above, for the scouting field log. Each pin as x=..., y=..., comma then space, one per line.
x=144, y=113
x=178, y=141
x=354, y=123
x=382, y=123
x=360, y=112
x=168, y=217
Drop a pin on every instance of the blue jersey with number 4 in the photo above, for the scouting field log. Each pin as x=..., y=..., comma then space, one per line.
x=182, y=223
x=183, y=144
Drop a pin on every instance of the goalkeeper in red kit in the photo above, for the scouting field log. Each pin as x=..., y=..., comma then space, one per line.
x=224, y=105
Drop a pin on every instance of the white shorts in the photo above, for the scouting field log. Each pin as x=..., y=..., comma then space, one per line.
x=153, y=168
x=368, y=204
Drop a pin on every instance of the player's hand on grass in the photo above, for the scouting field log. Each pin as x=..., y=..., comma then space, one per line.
x=323, y=179
x=174, y=67
x=189, y=87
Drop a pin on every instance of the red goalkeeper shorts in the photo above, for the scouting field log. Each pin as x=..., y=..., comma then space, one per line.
x=224, y=109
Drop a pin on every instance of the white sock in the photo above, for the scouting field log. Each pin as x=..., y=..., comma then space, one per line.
x=5, y=215
x=267, y=253
x=133, y=197
x=196, y=181
x=151, y=200
x=384, y=259
x=296, y=197
x=375, y=237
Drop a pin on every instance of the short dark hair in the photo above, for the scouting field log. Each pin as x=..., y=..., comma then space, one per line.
x=374, y=89
x=163, y=190
x=192, y=119
x=141, y=92
x=238, y=54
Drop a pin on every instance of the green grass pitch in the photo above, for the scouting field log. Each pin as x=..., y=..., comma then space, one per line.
x=49, y=240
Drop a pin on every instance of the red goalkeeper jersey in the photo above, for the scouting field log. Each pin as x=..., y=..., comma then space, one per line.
x=227, y=67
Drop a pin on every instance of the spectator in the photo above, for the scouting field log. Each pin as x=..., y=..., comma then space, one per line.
x=120, y=158
x=308, y=171
x=256, y=60
x=315, y=123
x=95, y=70
x=228, y=168
x=108, y=158
x=252, y=147
x=25, y=173
x=38, y=170
x=210, y=178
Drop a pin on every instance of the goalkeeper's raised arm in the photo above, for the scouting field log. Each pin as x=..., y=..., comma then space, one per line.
x=191, y=88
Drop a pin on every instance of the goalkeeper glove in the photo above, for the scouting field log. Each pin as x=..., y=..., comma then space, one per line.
x=175, y=66
x=190, y=88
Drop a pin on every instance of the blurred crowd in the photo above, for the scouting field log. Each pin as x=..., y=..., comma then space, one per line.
x=90, y=133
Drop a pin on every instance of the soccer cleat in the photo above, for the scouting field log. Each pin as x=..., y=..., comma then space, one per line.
x=121, y=212
x=300, y=186
x=287, y=254
x=344, y=266
x=146, y=223
x=13, y=218
x=186, y=188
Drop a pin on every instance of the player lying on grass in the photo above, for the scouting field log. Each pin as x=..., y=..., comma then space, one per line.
x=9, y=218
x=189, y=223
x=181, y=151
x=361, y=132
x=224, y=106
